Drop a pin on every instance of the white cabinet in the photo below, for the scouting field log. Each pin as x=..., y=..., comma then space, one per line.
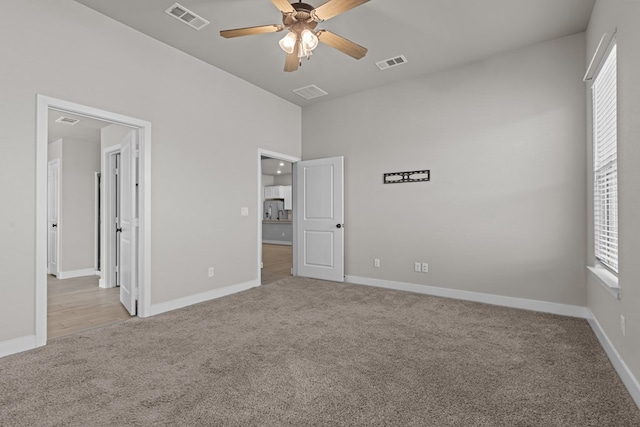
x=279, y=192
x=287, y=197
x=274, y=192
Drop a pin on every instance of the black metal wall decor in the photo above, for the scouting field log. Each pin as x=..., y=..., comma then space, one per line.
x=400, y=177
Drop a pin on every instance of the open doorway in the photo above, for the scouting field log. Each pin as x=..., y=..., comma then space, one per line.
x=275, y=216
x=77, y=298
x=132, y=226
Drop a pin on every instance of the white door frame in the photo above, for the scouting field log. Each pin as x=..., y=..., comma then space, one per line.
x=107, y=227
x=97, y=228
x=50, y=163
x=44, y=103
x=286, y=158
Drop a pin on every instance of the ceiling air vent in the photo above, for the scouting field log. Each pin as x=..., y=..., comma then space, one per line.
x=310, y=92
x=391, y=62
x=67, y=121
x=185, y=15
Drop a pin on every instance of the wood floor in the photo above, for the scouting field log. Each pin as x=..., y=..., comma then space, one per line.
x=75, y=305
x=78, y=304
x=277, y=261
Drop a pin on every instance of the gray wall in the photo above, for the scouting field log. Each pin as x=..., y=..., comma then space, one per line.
x=282, y=179
x=54, y=150
x=112, y=135
x=625, y=16
x=266, y=181
x=504, y=212
x=80, y=162
x=195, y=209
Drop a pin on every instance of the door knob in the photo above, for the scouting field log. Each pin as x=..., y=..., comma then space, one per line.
x=119, y=230
x=54, y=225
x=339, y=225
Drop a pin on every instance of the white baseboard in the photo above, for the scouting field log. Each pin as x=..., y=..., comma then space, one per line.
x=522, y=303
x=621, y=368
x=77, y=273
x=201, y=297
x=277, y=242
x=17, y=345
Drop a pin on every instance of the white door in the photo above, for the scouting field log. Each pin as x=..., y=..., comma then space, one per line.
x=128, y=223
x=319, y=214
x=53, y=214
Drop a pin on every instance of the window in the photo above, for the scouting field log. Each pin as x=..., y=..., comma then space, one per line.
x=605, y=162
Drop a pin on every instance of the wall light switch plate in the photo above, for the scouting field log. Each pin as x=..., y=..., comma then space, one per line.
x=244, y=211
x=211, y=271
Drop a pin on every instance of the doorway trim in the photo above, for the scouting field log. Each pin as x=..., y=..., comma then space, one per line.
x=107, y=227
x=286, y=158
x=43, y=104
x=51, y=163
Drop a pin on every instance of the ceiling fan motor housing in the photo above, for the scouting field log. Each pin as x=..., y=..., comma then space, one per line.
x=301, y=19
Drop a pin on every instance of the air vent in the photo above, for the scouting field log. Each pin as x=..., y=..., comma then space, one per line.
x=67, y=121
x=310, y=92
x=391, y=62
x=185, y=15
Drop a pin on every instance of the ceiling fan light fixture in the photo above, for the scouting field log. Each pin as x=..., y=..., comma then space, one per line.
x=309, y=40
x=288, y=42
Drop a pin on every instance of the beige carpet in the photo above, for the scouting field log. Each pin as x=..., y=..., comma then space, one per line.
x=310, y=353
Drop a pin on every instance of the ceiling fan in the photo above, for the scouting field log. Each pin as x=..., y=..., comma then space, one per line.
x=301, y=19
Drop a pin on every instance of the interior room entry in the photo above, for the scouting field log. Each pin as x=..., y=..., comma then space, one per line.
x=320, y=218
x=133, y=201
x=317, y=224
x=276, y=218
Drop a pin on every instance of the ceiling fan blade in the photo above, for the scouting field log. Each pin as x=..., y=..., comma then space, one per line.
x=284, y=6
x=335, y=7
x=292, y=62
x=238, y=32
x=343, y=45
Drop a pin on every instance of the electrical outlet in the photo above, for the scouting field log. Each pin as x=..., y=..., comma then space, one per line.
x=211, y=271
x=425, y=267
x=417, y=267
x=623, y=325
x=244, y=211
x=376, y=262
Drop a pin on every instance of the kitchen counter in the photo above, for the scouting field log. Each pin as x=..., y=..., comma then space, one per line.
x=277, y=232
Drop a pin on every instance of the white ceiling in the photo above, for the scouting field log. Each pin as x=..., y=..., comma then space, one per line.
x=434, y=35
x=86, y=130
x=272, y=166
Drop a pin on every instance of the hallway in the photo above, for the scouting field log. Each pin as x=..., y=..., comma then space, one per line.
x=277, y=262
x=78, y=304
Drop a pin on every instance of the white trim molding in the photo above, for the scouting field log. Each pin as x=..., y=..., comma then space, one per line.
x=77, y=273
x=259, y=216
x=43, y=104
x=201, y=297
x=522, y=303
x=625, y=374
x=17, y=345
x=606, y=279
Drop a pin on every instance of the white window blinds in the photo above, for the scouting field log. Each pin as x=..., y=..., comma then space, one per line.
x=605, y=163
